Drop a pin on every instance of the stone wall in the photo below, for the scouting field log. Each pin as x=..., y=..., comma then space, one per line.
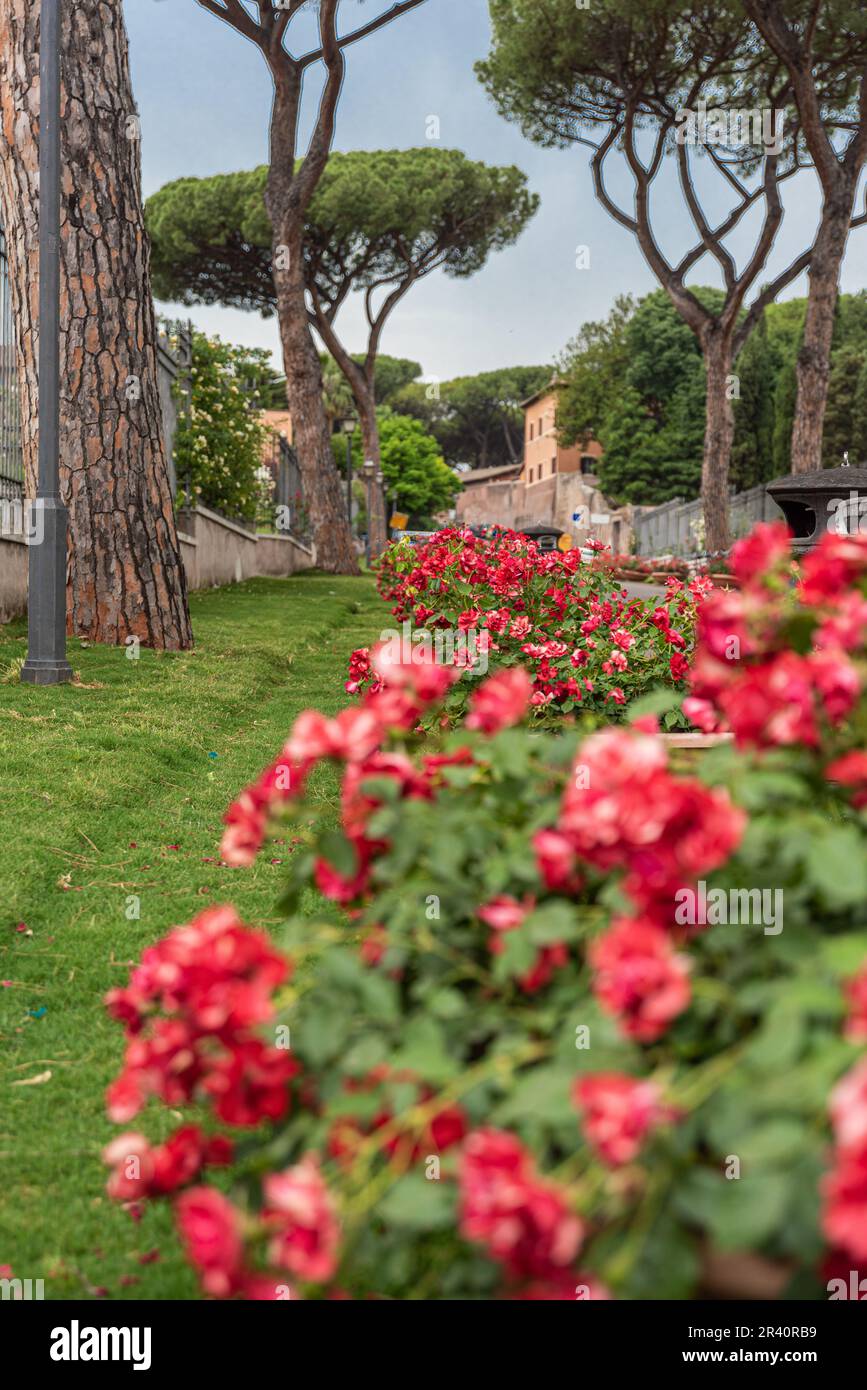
x=13, y=577
x=214, y=551
x=676, y=528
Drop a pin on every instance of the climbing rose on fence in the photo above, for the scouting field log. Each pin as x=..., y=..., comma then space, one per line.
x=513, y=1072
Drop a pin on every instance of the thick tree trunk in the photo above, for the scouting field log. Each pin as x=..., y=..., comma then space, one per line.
x=719, y=434
x=125, y=575
x=814, y=369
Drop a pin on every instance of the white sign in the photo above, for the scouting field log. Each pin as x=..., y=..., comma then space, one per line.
x=599, y=518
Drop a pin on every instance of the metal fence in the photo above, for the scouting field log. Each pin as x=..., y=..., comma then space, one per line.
x=677, y=528
x=284, y=513
x=174, y=364
x=11, y=454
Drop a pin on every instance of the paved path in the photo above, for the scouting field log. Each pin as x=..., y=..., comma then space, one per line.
x=640, y=590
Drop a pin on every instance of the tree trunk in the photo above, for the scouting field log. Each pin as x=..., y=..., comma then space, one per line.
x=366, y=404
x=814, y=369
x=719, y=434
x=125, y=576
x=287, y=197
x=323, y=490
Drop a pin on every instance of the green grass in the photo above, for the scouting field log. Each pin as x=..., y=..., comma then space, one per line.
x=111, y=788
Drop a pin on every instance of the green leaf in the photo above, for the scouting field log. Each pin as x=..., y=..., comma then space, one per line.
x=844, y=954
x=340, y=853
x=424, y=1052
x=416, y=1203
x=552, y=922
x=738, y=1213
x=837, y=866
x=543, y=1093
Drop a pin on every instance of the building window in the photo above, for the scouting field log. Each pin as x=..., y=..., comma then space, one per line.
x=554, y=464
x=587, y=463
x=531, y=429
x=531, y=475
x=541, y=424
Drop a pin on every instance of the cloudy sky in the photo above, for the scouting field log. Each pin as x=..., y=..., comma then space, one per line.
x=204, y=97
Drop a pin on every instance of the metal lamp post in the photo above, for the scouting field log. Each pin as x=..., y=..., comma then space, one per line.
x=369, y=468
x=348, y=427
x=46, y=662
x=381, y=539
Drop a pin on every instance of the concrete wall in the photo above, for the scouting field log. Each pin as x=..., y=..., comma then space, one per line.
x=676, y=528
x=13, y=577
x=217, y=551
x=214, y=551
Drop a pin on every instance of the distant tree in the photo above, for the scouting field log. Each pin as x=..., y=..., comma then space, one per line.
x=594, y=366
x=859, y=424
x=822, y=45
x=752, y=450
x=847, y=367
x=623, y=76
x=416, y=476
x=477, y=420
x=391, y=375
x=785, y=395
x=635, y=465
x=642, y=362
x=378, y=222
x=291, y=185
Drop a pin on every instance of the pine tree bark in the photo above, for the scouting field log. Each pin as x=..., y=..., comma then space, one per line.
x=287, y=197
x=719, y=435
x=125, y=576
x=361, y=382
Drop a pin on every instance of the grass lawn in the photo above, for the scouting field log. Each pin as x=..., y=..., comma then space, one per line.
x=112, y=788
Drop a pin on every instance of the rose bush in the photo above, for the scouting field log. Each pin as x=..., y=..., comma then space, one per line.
x=503, y=1062
x=591, y=648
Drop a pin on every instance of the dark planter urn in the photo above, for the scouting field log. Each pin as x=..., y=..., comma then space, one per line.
x=828, y=499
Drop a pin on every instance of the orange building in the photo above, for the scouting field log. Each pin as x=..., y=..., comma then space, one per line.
x=544, y=457
x=280, y=421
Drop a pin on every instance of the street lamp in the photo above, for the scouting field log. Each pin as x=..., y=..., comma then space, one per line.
x=348, y=428
x=46, y=662
x=368, y=469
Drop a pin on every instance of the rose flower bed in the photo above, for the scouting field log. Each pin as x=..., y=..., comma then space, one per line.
x=499, y=1062
x=589, y=646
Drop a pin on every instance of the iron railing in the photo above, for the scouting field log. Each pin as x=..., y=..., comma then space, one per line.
x=11, y=453
x=285, y=512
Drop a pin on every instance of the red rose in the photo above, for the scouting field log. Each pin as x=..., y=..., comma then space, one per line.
x=211, y=1232
x=617, y=1113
